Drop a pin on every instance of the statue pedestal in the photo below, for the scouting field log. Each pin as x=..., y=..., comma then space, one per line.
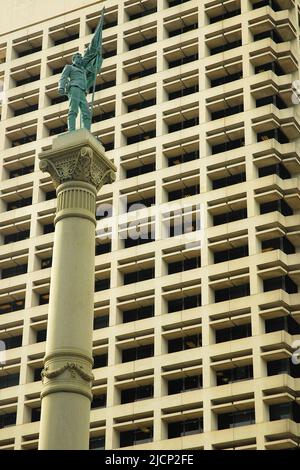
x=79, y=168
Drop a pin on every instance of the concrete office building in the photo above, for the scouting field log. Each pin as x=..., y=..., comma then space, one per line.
x=194, y=332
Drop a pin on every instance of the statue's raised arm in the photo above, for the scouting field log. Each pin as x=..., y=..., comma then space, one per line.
x=77, y=79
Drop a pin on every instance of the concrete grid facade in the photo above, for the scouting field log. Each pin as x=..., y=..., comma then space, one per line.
x=194, y=332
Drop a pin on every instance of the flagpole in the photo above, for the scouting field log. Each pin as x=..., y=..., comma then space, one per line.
x=96, y=68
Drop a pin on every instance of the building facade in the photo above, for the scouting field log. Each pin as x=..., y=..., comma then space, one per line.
x=197, y=274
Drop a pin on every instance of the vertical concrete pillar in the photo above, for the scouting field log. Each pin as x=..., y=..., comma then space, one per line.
x=78, y=168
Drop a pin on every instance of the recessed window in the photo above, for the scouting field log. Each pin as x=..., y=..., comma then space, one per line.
x=230, y=216
x=224, y=16
x=283, y=366
x=97, y=443
x=279, y=205
x=230, y=145
x=37, y=374
x=9, y=380
x=44, y=299
x=225, y=47
x=138, y=393
x=141, y=73
x=139, y=276
x=289, y=410
x=23, y=140
x=183, y=192
x=273, y=66
x=273, y=134
x=13, y=342
x=102, y=248
x=136, y=436
x=229, y=180
x=50, y=195
x=263, y=3
x=7, y=419
x=46, y=263
x=24, y=170
x=272, y=34
x=14, y=271
x=236, y=419
x=139, y=352
x=178, y=126
x=276, y=100
x=281, y=282
x=230, y=254
x=281, y=243
x=15, y=237
x=278, y=169
x=236, y=374
x=140, y=170
x=41, y=336
x=184, y=384
x=187, y=342
x=48, y=228
x=12, y=205
x=99, y=401
x=184, y=265
x=100, y=361
x=185, y=428
x=183, y=60
x=226, y=79
x=130, y=242
x=102, y=284
x=183, y=158
x=35, y=415
x=230, y=293
x=25, y=110
x=12, y=306
x=227, y=112
x=184, y=303
x=172, y=3
x=183, y=92
x=286, y=323
x=140, y=313
x=101, y=322
x=234, y=332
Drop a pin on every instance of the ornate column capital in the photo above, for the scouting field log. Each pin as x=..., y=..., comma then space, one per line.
x=78, y=156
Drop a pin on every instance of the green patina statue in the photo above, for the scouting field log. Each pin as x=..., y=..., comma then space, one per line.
x=77, y=80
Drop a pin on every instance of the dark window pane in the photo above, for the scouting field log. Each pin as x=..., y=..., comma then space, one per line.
x=9, y=380
x=136, y=436
x=235, y=332
x=138, y=313
x=97, y=443
x=101, y=322
x=100, y=361
x=236, y=419
x=230, y=293
x=140, y=352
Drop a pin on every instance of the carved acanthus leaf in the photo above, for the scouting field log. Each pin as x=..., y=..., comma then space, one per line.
x=78, y=165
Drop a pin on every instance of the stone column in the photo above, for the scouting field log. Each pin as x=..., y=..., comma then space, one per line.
x=78, y=168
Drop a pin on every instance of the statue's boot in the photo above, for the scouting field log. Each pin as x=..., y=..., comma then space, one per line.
x=87, y=123
x=71, y=123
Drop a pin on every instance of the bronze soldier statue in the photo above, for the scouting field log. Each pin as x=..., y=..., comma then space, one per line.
x=77, y=79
